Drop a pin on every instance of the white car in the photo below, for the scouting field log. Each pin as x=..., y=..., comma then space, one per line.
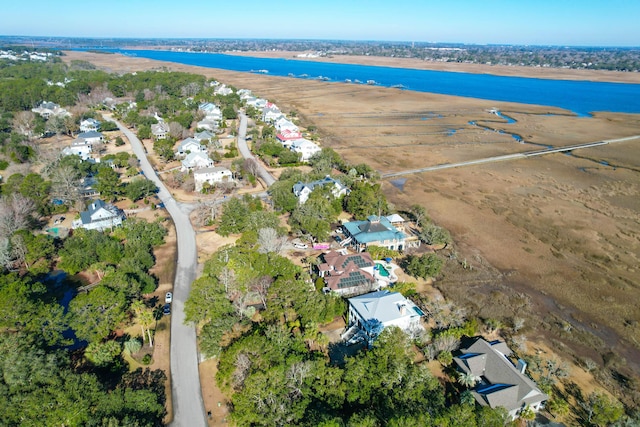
x=168, y=298
x=300, y=246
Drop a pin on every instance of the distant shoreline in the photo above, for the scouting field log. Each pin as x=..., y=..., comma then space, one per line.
x=498, y=70
x=456, y=67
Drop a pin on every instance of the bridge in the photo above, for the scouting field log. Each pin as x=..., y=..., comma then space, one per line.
x=516, y=156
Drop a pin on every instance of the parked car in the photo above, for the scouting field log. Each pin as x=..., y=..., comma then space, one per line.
x=166, y=310
x=168, y=297
x=301, y=246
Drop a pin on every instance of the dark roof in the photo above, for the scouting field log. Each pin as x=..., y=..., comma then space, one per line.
x=502, y=384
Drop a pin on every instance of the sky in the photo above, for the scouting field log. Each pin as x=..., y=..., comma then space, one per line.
x=522, y=22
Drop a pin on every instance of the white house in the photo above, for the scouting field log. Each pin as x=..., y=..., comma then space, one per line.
x=91, y=137
x=189, y=145
x=283, y=124
x=286, y=136
x=89, y=125
x=197, y=160
x=271, y=113
x=223, y=90
x=499, y=381
x=208, y=124
x=82, y=151
x=99, y=216
x=211, y=175
x=305, y=148
x=370, y=313
x=302, y=190
x=160, y=130
x=211, y=111
x=50, y=109
x=204, y=135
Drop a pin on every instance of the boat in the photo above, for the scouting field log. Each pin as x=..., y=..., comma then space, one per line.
x=371, y=82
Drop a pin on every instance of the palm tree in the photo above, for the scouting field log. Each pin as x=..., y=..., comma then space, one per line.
x=138, y=307
x=468, y=379
x=146, y=319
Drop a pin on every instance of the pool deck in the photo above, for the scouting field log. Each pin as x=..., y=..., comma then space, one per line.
x=384, y=281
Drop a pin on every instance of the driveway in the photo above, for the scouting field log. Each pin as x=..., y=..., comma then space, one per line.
x=188, y=407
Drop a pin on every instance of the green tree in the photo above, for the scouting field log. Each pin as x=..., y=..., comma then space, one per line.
x=93, y=315
x=425, y=266
x=139, y=188
x=108, y=183
x=102, y=354
x=366, y=199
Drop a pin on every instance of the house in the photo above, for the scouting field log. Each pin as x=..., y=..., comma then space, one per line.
x=500, y=382
x=374, y=230
x=211, y=111
x=197, y=160
x=160, y=130
x=211, y=175
x=79, y=147
x=89, y=125
x=282, y=123
x=397, y=221
x=99, y=216
x=189, y=145
x=208, y=125
x=287, y=136
x=257, y=103
x=271, y=113
x=205, y=135
x=349, y=274
x=90, y=137
x=223, y=90
x=305, y=148
x=50, y=109
x=370, y=313
x=303, y=190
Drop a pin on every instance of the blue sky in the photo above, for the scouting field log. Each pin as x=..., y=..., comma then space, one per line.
x=546, y=22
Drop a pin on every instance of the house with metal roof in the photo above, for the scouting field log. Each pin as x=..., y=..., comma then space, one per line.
x=189, y=145
x=500, y=382
x=90, y=124
x=100, y=216
x=302, y=190
x=197, y=160
x=375, y=230
x=370, y=313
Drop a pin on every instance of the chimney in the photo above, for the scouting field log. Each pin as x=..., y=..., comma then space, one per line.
x=521, y=366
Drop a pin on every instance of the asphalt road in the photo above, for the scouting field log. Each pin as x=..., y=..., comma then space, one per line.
x=188, y=407
x=266, y=177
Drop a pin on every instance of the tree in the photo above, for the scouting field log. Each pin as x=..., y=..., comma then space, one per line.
x=601, y=410
x=270, y=241
x=468, y=379
x=431, y=234
x=108, y=183
x=366, y=199
x=146, y=319
x=16, y=213
x=139, y=188
x=418, y=214
x=132, y=345
x=65, y=181
x=102, y=354
x=425, y=266
x=95, y=314
x=24, y=122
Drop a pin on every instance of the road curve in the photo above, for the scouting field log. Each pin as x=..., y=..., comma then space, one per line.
x=188, y=406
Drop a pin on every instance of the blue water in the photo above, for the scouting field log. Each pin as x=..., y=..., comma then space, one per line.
x=580, y=97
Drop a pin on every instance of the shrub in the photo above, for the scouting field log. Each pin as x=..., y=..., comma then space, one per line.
x=147, y=359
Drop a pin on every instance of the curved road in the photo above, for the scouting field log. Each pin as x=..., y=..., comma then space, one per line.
x=244, y=151
x=188, y=407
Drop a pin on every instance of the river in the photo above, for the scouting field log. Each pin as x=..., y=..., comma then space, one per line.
x=580, y=97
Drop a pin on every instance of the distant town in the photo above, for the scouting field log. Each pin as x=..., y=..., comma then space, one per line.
x=570, y=57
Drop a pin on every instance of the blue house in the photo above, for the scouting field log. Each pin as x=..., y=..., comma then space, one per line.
x=375, y=230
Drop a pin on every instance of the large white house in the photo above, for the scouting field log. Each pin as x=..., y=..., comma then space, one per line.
x=211, y=176
x=370, y=313
x=189, y=145
x=305, y=148
x=50, y=109
x=91, y=137
x=89, y=125
x=99, y=216
x=197, y=160
x=160, y=130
